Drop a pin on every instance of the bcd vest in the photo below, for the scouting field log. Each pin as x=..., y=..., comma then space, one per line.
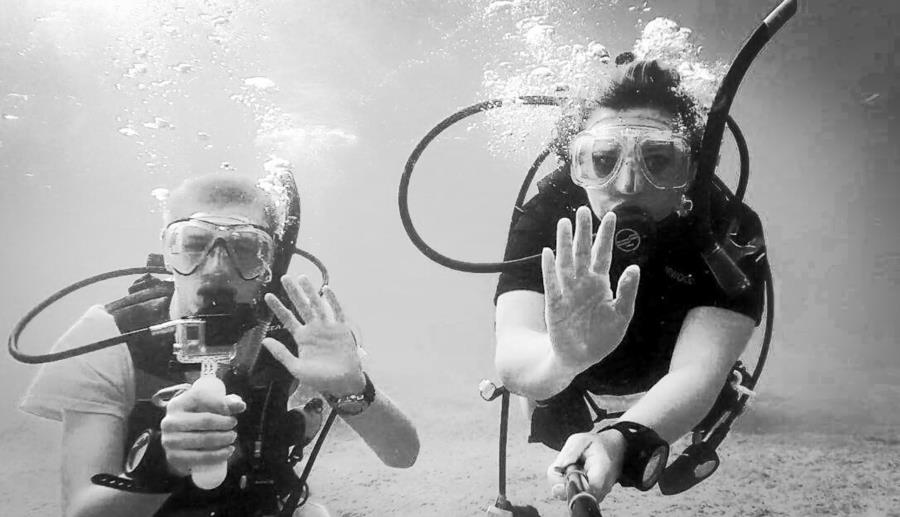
x=258, y=474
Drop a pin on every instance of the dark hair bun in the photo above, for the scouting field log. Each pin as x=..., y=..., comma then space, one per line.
x=624, y=58
x=653, y=84
x=651, y=76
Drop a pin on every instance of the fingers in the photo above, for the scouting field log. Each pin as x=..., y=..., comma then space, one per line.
x=597, y=469
x=235, y=404
x=552, y=289
x=317, y=305
x=305, y=297
x=601, y=252
x=184, y=461
x=281, y=354
x=198, y=441
x=284, y=315
x=332, y=300
x=582, y=244
x=571, y=453
x=626, y=290
x=298, y=297
x=582, y=449
x=184, y=421
x=564, y=266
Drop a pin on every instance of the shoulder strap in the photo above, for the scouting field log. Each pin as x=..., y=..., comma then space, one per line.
x=146, y=305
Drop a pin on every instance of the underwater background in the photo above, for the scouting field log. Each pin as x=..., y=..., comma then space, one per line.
x=105, y=104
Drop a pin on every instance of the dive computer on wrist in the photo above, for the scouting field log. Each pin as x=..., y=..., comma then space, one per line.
x=645, y=455
x=355, y=403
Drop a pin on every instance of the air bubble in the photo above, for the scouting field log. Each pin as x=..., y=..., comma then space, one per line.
x=260, y=83
x=160, y=194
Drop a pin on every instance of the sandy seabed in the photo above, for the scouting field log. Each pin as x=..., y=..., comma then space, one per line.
x=768, y=468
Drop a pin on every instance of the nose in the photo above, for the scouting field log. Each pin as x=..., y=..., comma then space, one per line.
x=217, y=260
x=629, y=180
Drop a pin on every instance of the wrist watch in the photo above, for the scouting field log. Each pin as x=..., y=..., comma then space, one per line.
x=645, y=455
x=355, y=403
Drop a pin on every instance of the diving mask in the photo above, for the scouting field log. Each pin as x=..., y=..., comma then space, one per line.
x=600, y=153
x=187, y=243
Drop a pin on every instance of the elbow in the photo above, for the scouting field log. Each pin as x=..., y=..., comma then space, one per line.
x=512, y=381
x=504, y=372
x=504, y=364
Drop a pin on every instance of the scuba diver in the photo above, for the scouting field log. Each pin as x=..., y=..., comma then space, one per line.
x=138, y=442
x=636, y=310
x=690, y=269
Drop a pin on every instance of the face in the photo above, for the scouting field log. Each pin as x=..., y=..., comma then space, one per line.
x=629, y=185
x=217, y=278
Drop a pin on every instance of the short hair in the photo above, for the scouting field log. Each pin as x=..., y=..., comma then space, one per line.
x=220, y=190
x=642, y=84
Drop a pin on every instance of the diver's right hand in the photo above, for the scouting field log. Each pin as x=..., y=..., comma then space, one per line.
x=585, y=322
x=199, y=430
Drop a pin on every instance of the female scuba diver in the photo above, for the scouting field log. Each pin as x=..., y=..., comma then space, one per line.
x=669, y=332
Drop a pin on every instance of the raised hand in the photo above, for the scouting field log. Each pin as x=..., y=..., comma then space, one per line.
x=327, y=357
x=584, y=320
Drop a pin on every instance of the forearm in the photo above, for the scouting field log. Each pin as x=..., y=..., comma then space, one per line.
x=678, y=401
x=528, y=367
x=387, y=431
x=98, y=501
x=92, y=443
x=711, y=340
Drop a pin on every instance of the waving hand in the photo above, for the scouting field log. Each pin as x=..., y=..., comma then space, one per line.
x=585, y=320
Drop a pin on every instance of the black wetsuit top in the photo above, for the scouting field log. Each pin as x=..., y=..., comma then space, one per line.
x=674, y=280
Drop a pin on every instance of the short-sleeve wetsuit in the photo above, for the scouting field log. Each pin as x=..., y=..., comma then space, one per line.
x=674, y=280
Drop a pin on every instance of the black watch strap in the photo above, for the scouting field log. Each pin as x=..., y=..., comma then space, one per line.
x=146, y=469
x=645, y=455
x=127, y=484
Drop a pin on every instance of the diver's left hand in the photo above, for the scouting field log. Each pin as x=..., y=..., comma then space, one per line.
x=327, y=358
x=600, y=454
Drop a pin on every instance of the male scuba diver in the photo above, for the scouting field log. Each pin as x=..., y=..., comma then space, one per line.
x=634, y=310
x=219, y=244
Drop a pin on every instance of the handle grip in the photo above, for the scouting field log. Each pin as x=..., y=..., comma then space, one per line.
x=209, y=477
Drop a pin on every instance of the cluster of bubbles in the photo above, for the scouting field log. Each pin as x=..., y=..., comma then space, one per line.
x=287, y=134
x=163, y=48
x=161, y=195
x=538, y=61
x=278, y=170
x=543, y=61
x=664, y=40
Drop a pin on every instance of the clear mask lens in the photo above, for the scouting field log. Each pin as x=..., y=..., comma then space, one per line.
x=599, y=155
x=188, y=243
x=666, y=162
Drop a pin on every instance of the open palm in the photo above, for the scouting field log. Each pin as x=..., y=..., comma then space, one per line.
x=584, y=319
x=327, y=357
